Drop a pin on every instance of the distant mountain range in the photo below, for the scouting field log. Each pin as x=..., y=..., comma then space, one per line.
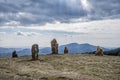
x=115, y=52
x=73, y=48
x=7, y=52
x=79, y=48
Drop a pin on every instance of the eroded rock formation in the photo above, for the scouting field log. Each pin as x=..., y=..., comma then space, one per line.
x=65, y=50
x=35, y=51
x=99, y=51
x=14, y=54
x=54, y=46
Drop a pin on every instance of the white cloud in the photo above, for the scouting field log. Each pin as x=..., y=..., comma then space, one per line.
x=2, y=33
x=25, y=15
x=86, y=5
x=12, y=23
x=20, y=33
x=101, y=32
x=103, y=26
x=32, y=33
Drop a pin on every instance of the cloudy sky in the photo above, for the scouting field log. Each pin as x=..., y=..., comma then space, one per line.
x=25, y=22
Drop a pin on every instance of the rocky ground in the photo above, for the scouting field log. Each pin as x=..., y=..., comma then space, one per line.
x=61, y=67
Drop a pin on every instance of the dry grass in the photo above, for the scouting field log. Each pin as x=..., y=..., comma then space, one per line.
x=61, y=67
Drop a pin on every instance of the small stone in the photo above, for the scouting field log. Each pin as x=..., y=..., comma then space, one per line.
x=65, y=50
x=14, y=54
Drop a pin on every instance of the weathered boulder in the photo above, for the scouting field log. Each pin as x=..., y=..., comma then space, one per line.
x=65, y=50
x=35, y=51
x=14, y=54
x=54, y=46
x=99, y=51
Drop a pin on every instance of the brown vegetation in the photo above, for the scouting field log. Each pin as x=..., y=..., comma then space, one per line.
x=61, y=67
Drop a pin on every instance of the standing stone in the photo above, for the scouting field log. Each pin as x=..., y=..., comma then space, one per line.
x=35, y=51
x=65, y=50
x=14, y=54
x=54, y=46
x=99, y=51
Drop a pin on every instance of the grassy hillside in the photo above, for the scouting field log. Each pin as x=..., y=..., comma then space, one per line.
x=61, y=67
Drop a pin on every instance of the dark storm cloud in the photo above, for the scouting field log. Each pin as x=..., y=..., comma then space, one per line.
x=105, y=8
x=40, y=12
x=7, y=7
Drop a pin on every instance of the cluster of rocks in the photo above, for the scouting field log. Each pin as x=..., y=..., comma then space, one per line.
x=54, y=49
